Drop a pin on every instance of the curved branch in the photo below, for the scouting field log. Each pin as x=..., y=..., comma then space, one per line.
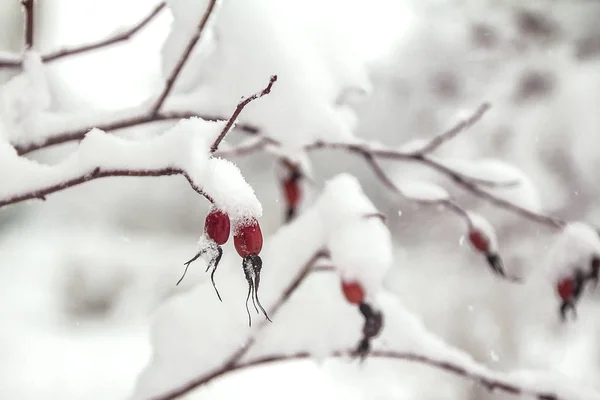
x=15, y=61
x=488, y=381
x=98, y=173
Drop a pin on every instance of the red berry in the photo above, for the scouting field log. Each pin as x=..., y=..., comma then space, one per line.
x=217, y=226
x=292, y=191
x=248, y=239
x=353, y=292
x=479, y=241
x=565, y=288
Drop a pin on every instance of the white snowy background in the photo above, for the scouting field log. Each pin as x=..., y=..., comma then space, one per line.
x=87, y=278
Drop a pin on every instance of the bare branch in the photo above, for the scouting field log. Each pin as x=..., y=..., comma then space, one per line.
x=97, y=173
x=232, y=361
x=450, y=134
x=28, y=6
x=455, y=369
x=183, y=59
x=128, y=122
x=114, y=39
x=238, y=110
x=16, y=61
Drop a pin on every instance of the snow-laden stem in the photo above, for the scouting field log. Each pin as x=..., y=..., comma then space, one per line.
x=184, y=57
x=98, y=173
x=122, y=123
x=16, y=61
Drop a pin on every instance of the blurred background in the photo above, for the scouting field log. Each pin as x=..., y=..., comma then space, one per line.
x=82, y=273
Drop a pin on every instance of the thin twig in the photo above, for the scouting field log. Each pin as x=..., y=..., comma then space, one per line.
x=240, y=107
x=114, y=39
x=79, y=133
x=98, y=173
x=450, y=134
x=487, y=382
x=17, y=62
x=232, y=361
x=184, y=57
x=29, y=6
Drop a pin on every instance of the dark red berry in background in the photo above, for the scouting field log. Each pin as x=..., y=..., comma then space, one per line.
x=565, y=288
x=217, y=226
x=248, y=239
x=479, y=241
x=353, y=292
x=292, y=191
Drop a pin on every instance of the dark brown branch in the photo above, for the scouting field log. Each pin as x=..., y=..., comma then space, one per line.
x=450, y=134
x=232, y=361
x=29, y=6
x=84, y=48
x=114, y=39
x=98, y=173
x=488, y=383
x=240, y=107
x=183, y=59
x=79, y=133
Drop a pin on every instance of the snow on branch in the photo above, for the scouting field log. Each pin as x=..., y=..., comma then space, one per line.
x=183, y=150
x=15, y=61
x=372, y=152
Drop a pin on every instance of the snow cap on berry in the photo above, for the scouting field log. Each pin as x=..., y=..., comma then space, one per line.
x=574, y=249
x=482, y=235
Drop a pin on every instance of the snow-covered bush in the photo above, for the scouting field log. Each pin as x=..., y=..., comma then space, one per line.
x=337, y=278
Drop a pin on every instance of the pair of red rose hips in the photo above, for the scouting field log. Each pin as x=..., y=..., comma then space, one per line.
x=248, y=242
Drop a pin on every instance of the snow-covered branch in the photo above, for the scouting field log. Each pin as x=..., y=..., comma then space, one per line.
x=100, y=155
x=15, y=61
x=423, y=155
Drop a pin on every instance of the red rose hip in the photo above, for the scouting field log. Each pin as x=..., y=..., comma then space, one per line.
x=565, y=288
x=353, y=292
x=292, y=191
x=248, y=239
x=217, y=226
x=479, y=241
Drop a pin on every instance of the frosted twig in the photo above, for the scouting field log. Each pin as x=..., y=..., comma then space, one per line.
x=487, y=381
x=28, y=6
x=240, y=107
x=97, y=173
x=471, y=184
x=232, y=362
x=128, y=122
x=448, y=135
x=184, y=58
x=16, y=62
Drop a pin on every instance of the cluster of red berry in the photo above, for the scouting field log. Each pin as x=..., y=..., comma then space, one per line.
x=248, y=242
x=355, y=294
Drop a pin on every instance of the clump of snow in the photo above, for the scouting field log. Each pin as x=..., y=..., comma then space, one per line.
x=573, y=249
x=25, y=96
x=481, y=224
x=343, y=201
x=422, y=191
x=361, y=250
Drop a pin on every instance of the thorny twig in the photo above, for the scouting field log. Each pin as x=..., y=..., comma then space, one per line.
x=16, y=62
